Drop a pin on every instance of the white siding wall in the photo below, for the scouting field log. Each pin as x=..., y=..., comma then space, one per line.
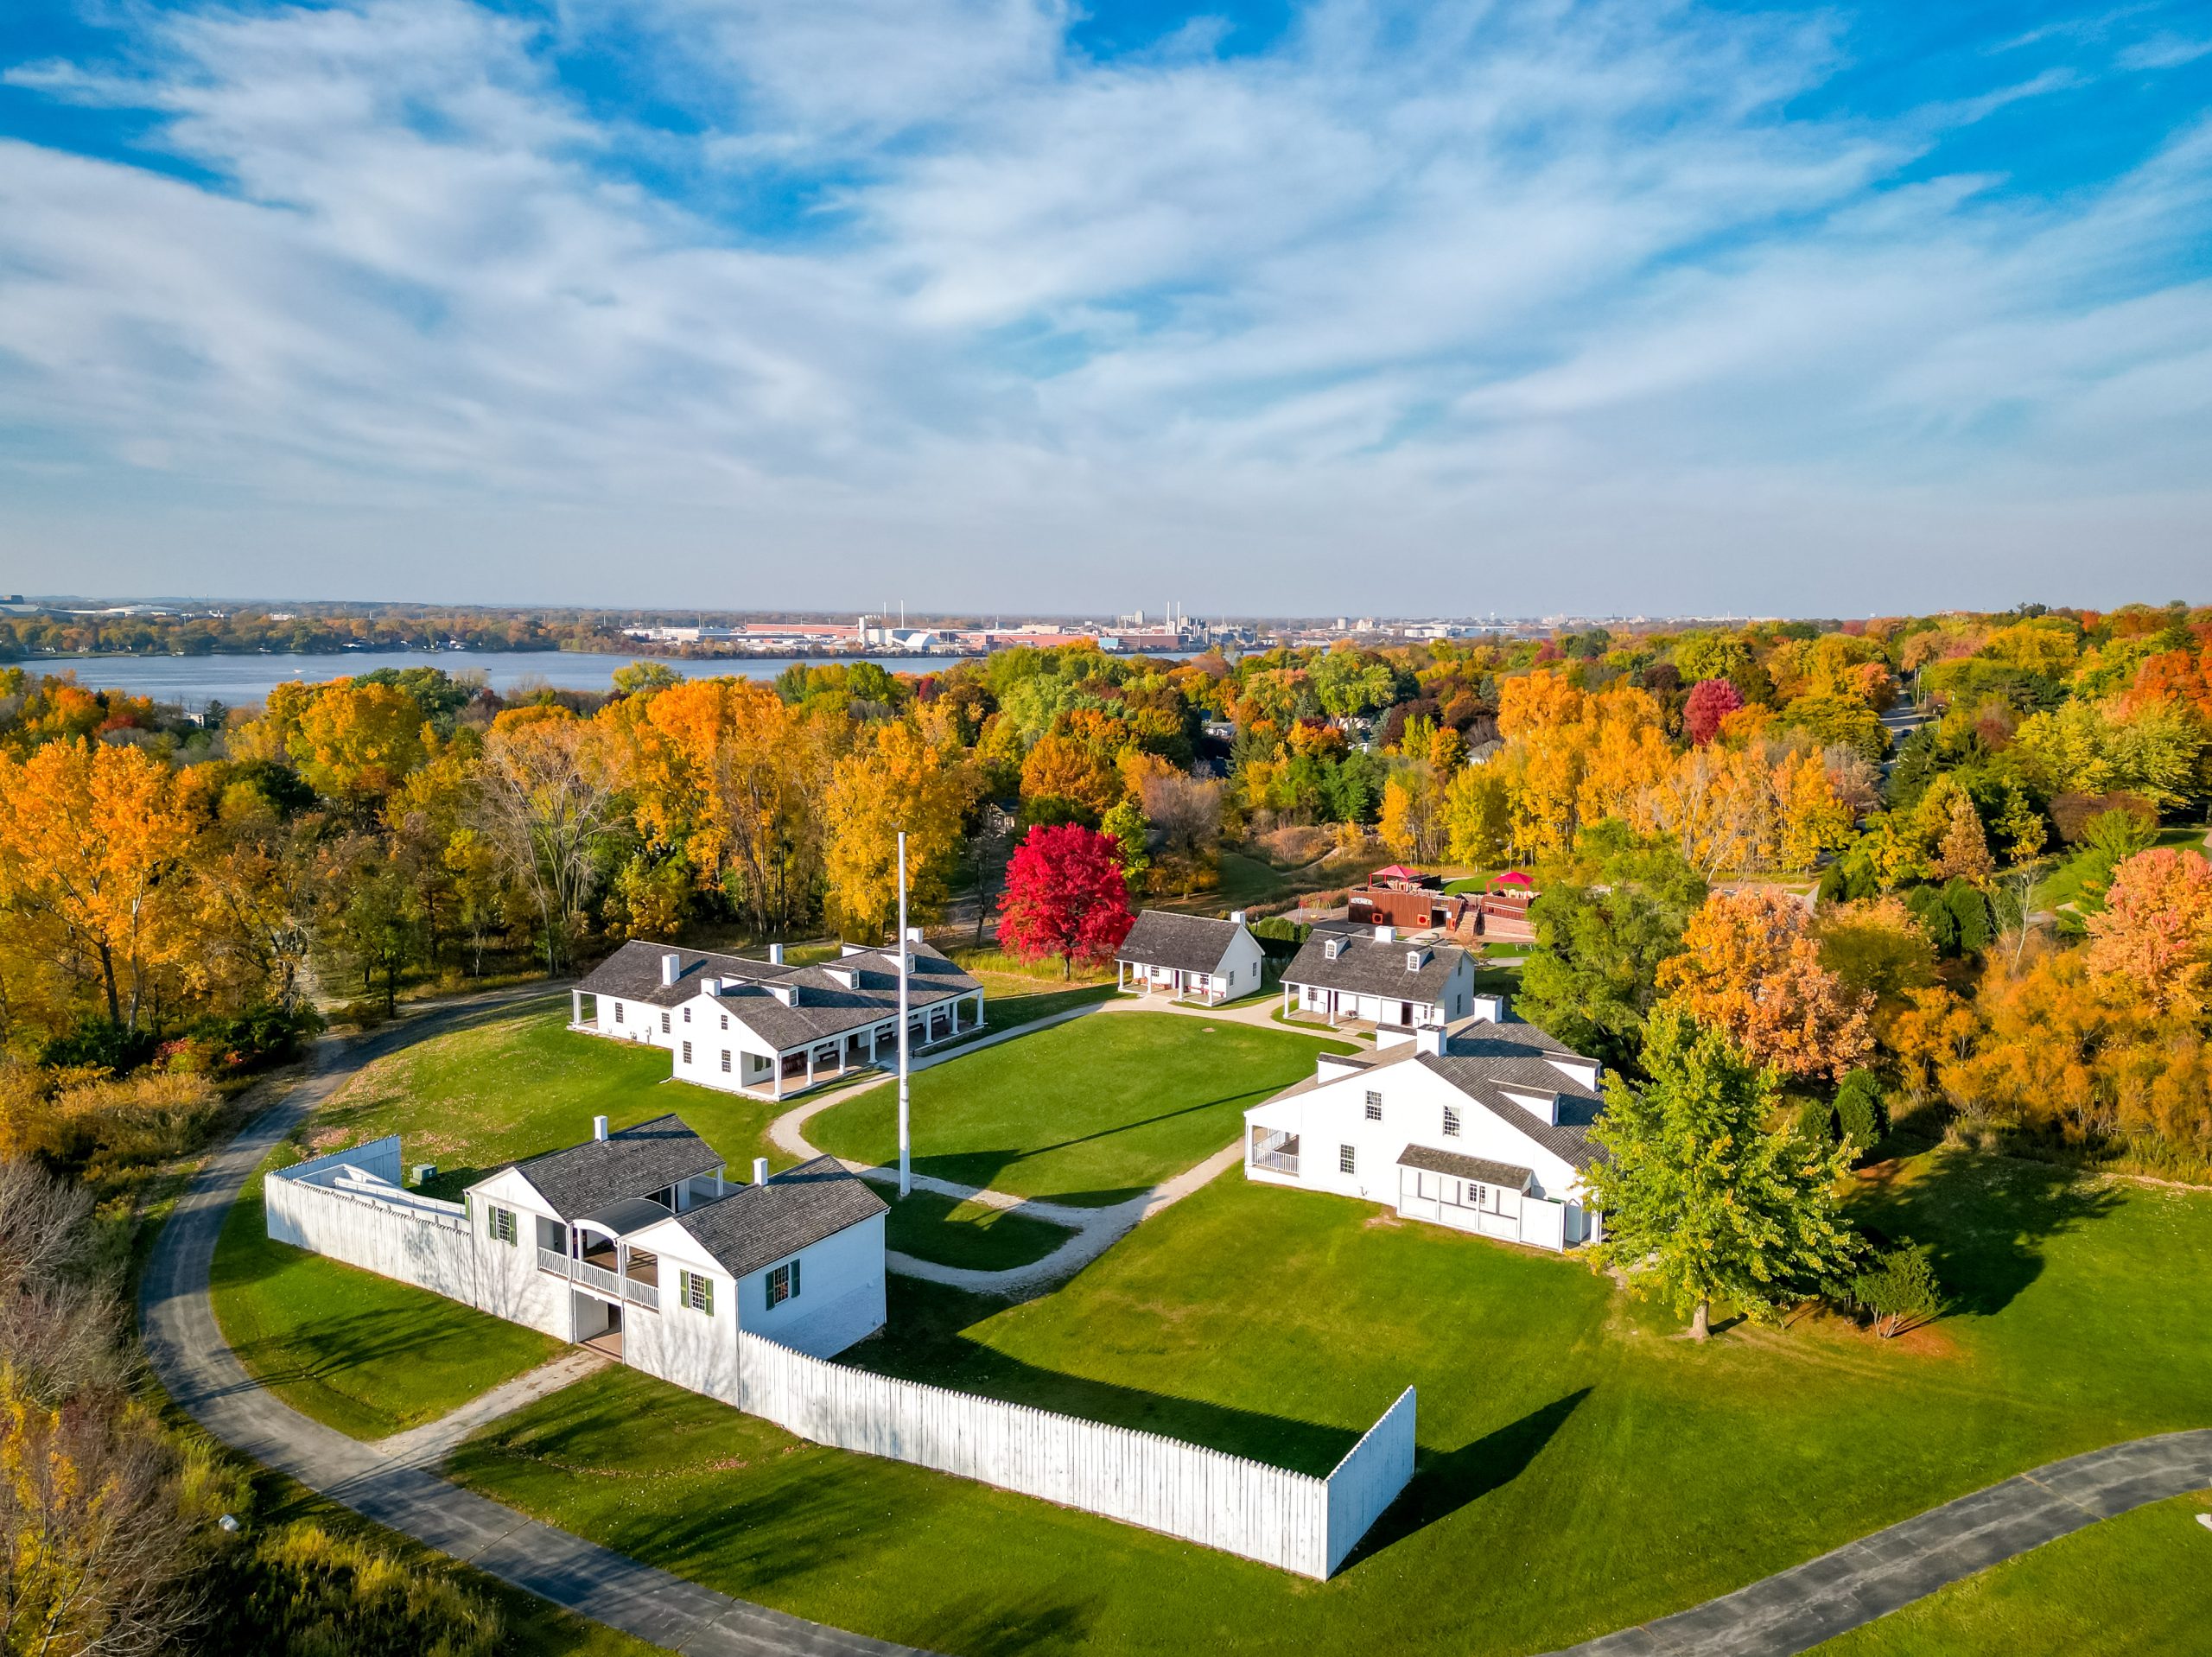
x=1292, y=1520
x=1414, y=1099
x=841, y=1297
x=640, y=1021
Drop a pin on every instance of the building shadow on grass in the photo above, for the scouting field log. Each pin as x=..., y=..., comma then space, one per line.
x=1985, y=1219
x=1445, y=1481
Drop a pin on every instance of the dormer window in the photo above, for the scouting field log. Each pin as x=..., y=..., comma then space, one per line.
x=1413, y=961
x=1331, y=949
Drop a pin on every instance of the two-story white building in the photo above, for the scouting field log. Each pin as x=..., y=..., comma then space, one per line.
x=636, y=1243
x=1484, y=1129
x=767, y=1028
x=1366, y=974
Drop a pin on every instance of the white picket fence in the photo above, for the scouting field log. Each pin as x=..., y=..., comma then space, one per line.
x=1292, y=1520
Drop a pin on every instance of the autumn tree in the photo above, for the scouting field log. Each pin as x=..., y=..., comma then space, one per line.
x=1700, y=1199
x=1750, y=966
x=1065, y=896
x=547, y=806
x=2156, y=928
x=92, y=839
x=1710, y=702
x=896, y=781
x=354, y=738
x=1963, y=853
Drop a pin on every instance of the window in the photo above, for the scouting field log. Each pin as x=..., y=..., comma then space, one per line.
x=503, y=1225
x=696, y=1292
x=687, y=1015
x=687, y=1052
x=1374, y=1106
x=783, y=1283
x=1347, y=1159
x=1451, y=1123
x=725, y=1061
x=725, y=1020
x=664, y=1024
x=617, y=1012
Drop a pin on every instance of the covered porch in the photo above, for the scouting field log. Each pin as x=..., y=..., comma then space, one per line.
x=818, y=1063
x=1140, y=978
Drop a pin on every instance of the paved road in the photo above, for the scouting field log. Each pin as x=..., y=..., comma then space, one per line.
x=1795, y=1610
x=189, y=1355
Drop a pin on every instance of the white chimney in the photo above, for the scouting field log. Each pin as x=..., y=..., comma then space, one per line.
x=1489, y=1009
x=775, y=954
x=759, y=1171
x=1385, y=933
x=1429, y=1038
x=671, y=966
x=1237, y=918
x=599, y=1127
x=913, y=935
x=710, y=986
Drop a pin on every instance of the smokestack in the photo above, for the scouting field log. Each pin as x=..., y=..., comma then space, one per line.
x=759, y=1171
x=599, y=1127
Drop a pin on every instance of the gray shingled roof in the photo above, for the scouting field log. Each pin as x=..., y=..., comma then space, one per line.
x=827, y=1005
x=1481, y=1060
x=755, y=1226
x=1366, y=966
x=630, y=1162
x=1178, y=943
x=1480, y=1169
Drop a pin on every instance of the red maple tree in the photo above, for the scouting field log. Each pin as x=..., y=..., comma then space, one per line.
x=1066, y=896
x=1710, y=702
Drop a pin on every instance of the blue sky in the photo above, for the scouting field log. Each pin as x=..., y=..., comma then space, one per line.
x=989, y=304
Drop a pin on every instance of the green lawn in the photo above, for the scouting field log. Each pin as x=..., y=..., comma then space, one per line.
x=519, y=1082
x=356, y=1351
x=933, y=1226
x=2124, y=1586
x=1089, y=1112
x=1582, y=1468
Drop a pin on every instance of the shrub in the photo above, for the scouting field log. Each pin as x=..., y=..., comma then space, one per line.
x=98, y=1044
x=307, y=1593
x=252, y=1041
x=1899, y=1290
x=1814, y=1121
x=1859, y=1109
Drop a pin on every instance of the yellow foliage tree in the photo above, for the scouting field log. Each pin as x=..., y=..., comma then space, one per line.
x=1751, y=965
x=896, y=782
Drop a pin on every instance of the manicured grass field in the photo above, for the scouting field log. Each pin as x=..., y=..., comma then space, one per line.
x=520, y=1082
x=358, y=1352
x=1582, y=1468
x=2128, y=1585
x=932, y=1227
x=1089, y=1112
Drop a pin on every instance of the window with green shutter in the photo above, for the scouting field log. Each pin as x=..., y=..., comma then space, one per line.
x=502, y=1226
x=696, y=1291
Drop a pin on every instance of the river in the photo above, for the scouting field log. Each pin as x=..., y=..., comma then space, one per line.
x=194, y=681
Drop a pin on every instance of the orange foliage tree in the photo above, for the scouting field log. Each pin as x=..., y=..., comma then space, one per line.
x=90, y=839
x=2156, y=928
x=1750, y=965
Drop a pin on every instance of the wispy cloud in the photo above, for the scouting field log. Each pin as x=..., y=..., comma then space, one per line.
x=1569, y=285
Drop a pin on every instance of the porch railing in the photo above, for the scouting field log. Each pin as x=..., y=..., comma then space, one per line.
x=1278, y=1153
x=598, y=1277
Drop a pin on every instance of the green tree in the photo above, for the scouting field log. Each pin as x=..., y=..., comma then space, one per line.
x=1603, y=925
x=1699, y=1198
x=1125, y=825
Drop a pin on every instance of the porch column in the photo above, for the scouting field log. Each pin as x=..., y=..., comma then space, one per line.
x=809, y=1064
x=777, y=1065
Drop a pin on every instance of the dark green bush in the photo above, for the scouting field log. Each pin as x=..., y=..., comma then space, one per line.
x=1899, y=1289
x=1859, y=1108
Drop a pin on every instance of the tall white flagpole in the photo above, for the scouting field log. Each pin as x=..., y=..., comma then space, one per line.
x=905, y=1142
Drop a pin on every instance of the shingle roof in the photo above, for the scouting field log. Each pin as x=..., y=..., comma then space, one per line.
x=630, y=1162
x=1480, y=1169
x=1178, y=943
x=1481, y=1060
x=1366, y=966
x=756, y=1226
x=828, y=1004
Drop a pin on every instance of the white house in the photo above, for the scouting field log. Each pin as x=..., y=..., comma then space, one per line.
x=1485, y=1128
x=1366, y=974
x=766, y=1028
x=635, y=1243
x=1192, y=957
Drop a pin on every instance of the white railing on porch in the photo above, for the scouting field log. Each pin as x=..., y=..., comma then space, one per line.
x=598, y=1277
x=1270, y=1153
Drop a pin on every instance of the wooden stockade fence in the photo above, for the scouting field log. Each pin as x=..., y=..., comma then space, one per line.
x=1292, y=1520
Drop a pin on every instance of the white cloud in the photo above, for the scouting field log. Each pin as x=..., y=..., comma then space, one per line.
x=1517, y=282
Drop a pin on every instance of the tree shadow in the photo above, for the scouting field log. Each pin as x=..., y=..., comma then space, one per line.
x=1985, y=1219
x=1445, y=1481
